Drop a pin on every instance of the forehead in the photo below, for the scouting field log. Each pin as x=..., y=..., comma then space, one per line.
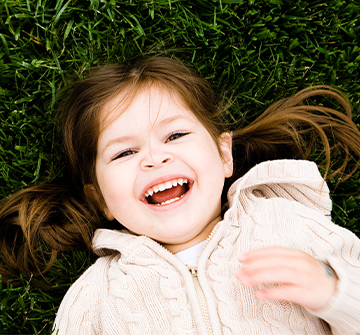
x=148, y=105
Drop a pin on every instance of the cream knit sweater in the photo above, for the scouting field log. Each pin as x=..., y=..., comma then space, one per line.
x=138, y=287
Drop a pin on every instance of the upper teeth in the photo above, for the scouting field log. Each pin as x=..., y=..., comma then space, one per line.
x=165, y=186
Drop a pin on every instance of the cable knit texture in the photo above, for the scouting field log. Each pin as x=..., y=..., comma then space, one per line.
x=138, y=287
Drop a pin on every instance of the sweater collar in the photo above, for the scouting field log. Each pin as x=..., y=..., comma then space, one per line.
x=294, y=173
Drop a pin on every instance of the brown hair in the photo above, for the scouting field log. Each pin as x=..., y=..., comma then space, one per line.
x=290, y=127
x=60, y=216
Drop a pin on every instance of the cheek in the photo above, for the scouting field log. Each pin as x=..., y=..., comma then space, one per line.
x=113, y=186
x=211, y=161
x=210, y=174
x=116, y=197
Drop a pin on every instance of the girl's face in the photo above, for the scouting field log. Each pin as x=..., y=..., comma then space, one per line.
x=159, y=170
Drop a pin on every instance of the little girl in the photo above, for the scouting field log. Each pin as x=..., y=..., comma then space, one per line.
x=147, y=150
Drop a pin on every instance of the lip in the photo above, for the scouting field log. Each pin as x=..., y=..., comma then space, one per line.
x=165, y=179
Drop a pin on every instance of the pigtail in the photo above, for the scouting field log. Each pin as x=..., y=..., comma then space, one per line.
x=290, y=128
x=39, y=222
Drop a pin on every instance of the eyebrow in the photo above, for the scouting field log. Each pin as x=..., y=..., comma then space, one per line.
x=170, y=120
x=128, y=138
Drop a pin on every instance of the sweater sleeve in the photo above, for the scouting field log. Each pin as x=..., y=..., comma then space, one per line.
x=339, y=248
x=79, y=311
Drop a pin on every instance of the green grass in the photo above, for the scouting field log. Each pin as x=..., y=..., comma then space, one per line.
x=254, y=51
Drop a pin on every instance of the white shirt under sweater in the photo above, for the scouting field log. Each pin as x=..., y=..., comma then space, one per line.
x=190, y=255
x=139, y=287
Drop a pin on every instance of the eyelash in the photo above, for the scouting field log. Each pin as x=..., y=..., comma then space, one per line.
x=124, y=153
x=128, y=152
x=177, y=134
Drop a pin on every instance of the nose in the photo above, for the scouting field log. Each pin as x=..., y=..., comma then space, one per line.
x=156, y=159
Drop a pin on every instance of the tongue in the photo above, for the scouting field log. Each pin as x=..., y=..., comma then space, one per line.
x=171, y=193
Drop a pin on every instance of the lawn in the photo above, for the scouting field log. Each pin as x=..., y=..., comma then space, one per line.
x=253, y=52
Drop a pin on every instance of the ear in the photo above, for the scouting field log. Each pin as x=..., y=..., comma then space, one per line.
x=225, y=142
x=96, y=199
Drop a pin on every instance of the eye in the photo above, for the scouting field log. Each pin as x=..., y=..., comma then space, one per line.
x=175, y=136
x=124, y=153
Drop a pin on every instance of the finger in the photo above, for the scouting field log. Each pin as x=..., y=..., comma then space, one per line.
x=272, y=262
x=269, y=252
x=286, y=293
x=309, y=299
x=276, y=263
x=285, y=269
x=286, y=276
x=277, y=258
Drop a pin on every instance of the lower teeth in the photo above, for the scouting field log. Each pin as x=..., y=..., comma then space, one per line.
x=169, y=201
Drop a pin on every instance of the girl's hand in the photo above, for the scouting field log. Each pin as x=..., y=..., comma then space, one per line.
x=303, y=279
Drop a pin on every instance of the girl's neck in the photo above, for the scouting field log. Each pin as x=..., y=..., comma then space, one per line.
x=174, y=248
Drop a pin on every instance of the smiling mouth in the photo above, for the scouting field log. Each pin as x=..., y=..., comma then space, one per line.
x=168, y=192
